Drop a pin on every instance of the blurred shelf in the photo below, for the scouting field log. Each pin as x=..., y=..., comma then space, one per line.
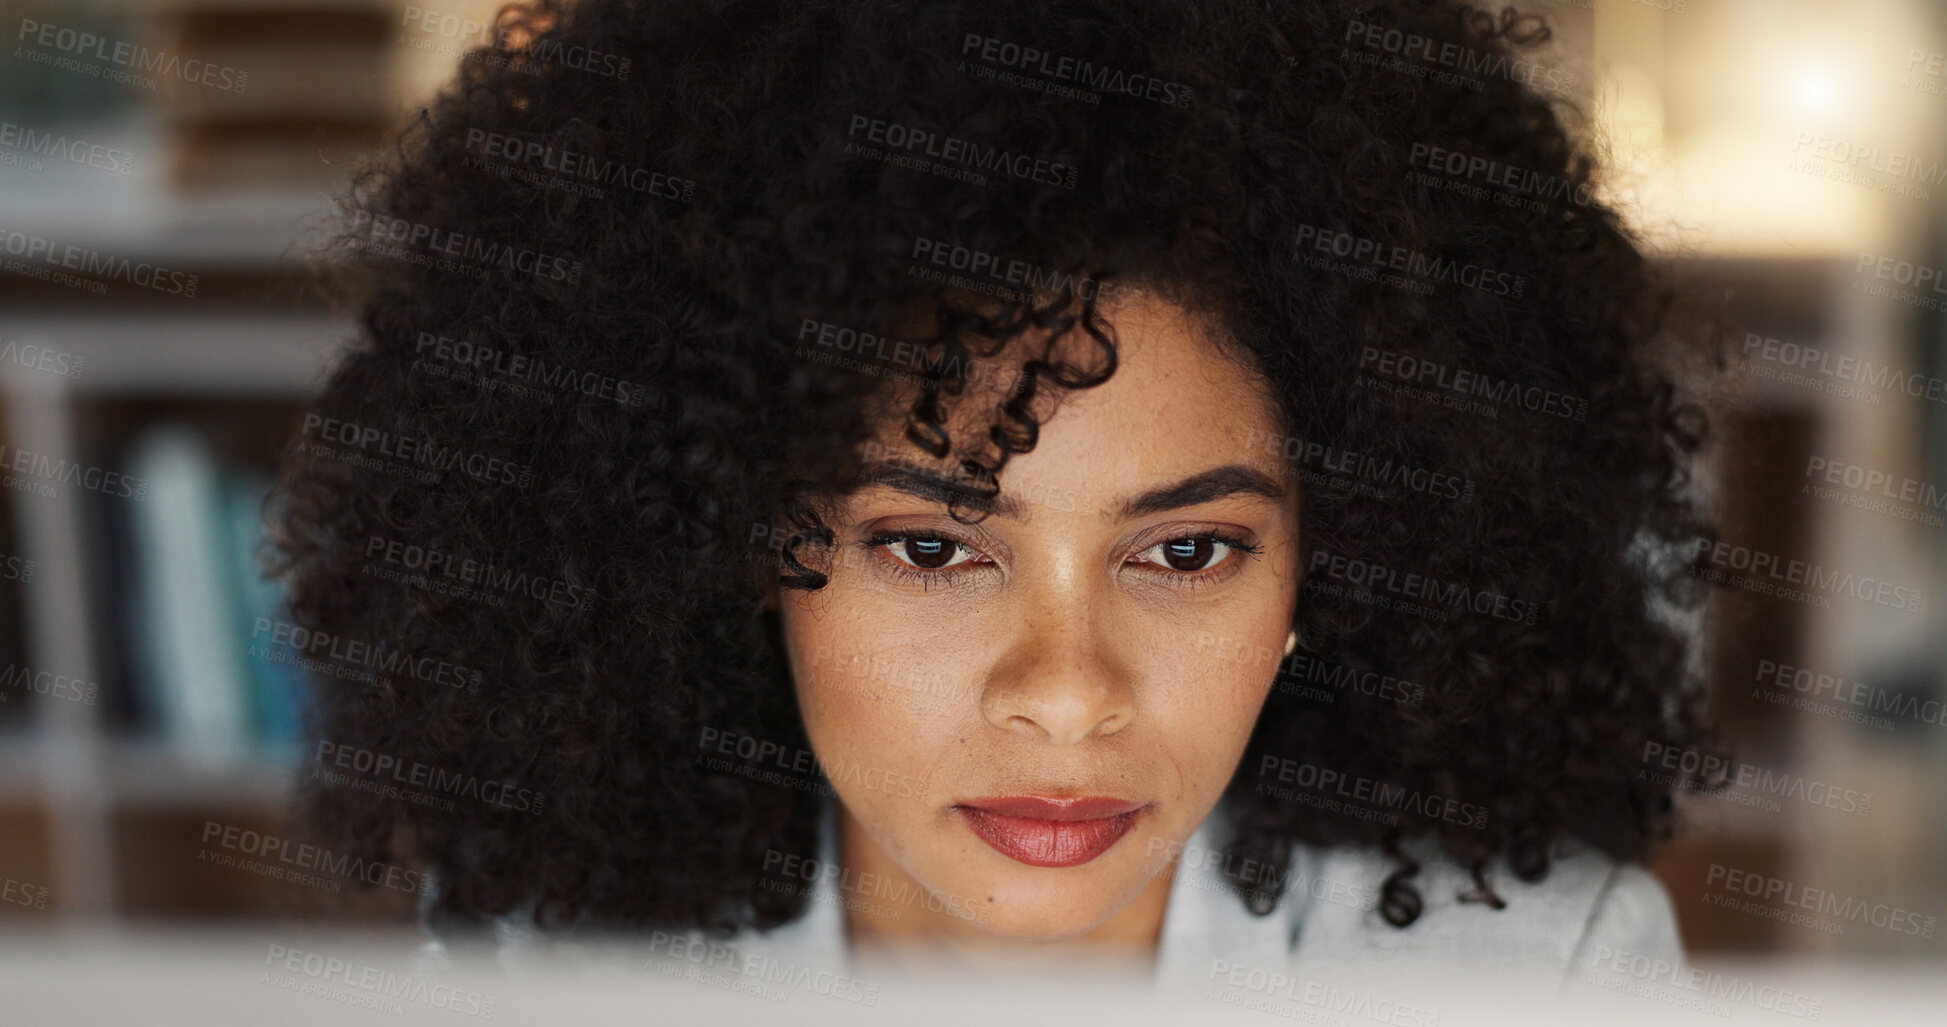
x=150, y=775
x=200, y=353
x=142, y=774
x=20, y=767
x=68, y=762
x=234, y=357
x=141, y=217
x=237, y=231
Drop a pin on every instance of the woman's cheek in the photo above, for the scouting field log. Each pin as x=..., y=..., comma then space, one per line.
x=1216, y=702
x=878, y=710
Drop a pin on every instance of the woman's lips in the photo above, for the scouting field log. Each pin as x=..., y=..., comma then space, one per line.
x=1050, y=832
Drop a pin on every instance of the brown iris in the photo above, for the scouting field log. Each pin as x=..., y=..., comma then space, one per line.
x=930, y=553
x=1188, y=554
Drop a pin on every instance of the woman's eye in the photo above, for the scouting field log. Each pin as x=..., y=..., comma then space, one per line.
x=1188, y=554
x=928, y=553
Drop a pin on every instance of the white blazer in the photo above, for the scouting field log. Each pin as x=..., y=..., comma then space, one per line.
x=1325, y=945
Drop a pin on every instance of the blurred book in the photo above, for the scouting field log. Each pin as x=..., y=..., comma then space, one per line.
x=290, y=154
x=276, y=686
x=216, y=693
x=126, y=707
x=182, y=614
x=287, y=92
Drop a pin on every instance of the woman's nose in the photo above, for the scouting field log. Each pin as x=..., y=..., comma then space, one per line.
x=1059, y=682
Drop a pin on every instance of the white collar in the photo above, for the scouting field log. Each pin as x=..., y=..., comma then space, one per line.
x=1207, y=920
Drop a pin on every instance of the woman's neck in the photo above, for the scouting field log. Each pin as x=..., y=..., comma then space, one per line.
x=930, y=934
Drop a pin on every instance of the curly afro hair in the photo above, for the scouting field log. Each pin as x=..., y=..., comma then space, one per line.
x=581, y=392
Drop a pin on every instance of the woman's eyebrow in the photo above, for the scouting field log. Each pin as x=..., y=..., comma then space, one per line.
x=1216, y=483
x=1202, y=487
x=938, y=487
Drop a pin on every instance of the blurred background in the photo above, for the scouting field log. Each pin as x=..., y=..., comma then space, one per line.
x=1787, y=153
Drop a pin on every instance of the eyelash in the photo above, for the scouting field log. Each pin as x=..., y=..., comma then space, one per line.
x=946, y=576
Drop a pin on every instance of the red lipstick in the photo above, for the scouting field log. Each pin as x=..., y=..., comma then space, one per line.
x=1045, y=831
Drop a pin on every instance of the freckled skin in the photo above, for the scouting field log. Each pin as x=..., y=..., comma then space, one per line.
x=1067, y=657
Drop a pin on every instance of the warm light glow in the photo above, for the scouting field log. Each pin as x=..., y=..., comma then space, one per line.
x=1816, y=90
x=1742, y=145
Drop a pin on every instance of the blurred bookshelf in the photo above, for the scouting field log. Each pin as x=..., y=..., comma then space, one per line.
x=1762, y=427
x=104, y=804
x=1767, y=429
x=218, y=392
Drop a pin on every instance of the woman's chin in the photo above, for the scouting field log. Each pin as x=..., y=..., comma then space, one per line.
x=1022, y=941
x=1057, y=913
x=1030, y=925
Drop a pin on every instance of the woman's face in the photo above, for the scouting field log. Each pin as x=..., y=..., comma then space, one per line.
x=1109, y=638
